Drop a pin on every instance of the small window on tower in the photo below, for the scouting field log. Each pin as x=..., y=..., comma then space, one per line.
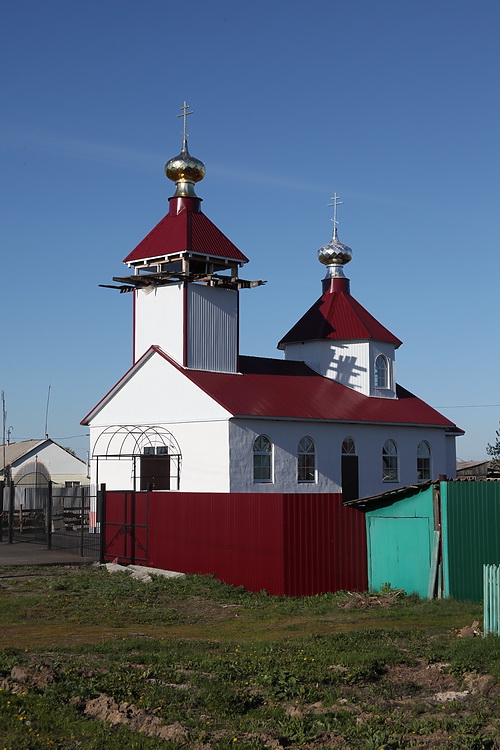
x=381, y=372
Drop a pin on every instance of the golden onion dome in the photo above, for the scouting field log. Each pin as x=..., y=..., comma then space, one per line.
x=185, y=170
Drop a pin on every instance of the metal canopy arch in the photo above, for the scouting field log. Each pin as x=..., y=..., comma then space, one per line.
x=34, y=474
x=129, y=442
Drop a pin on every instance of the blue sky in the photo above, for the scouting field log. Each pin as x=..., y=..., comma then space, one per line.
x=392, y=104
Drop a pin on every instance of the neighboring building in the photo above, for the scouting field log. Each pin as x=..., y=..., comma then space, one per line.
x=193, y=415
x=433, y=538
x=29, y=458
x=477, y=469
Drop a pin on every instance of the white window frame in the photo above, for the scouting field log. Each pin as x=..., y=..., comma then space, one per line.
x=421, y=457
x=261, y=453
x=306, y=474
x=381, y=370
x=390, y=461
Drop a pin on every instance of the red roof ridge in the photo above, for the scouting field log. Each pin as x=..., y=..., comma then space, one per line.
x=185, y=231
x=284, y=389
x=338, y=316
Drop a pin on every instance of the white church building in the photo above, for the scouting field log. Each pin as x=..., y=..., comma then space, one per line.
x=192, y=414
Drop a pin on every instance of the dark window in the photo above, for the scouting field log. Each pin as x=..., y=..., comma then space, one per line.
x=262, y=459
x=390, y=461
x=423, y=460
x=306, y=460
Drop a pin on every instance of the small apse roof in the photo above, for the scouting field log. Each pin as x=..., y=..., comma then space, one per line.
x=185, y=231
x=337, y=316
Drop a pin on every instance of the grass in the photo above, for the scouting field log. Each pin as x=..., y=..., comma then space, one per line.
x=204, y=665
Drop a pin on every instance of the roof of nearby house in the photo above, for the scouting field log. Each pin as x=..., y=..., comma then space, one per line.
x=337, y=315
x=285, y=389
x=185, y=231
x=14, y=451
x=461, y=465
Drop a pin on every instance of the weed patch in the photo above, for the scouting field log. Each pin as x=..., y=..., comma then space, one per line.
x=100, y=661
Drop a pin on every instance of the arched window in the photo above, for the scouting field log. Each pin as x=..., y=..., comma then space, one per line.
x=348, y=447
x=381, y=372
x=349, y=471
x=390, y=461
x=262, y=459
x=423, y=460
x=306, y=460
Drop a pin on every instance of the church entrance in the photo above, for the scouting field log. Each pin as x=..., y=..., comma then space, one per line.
x=349, y=471
x=137, y=457
x=155, y=472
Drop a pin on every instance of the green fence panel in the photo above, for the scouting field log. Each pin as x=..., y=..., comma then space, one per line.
x=491, y=577
x=471, y=526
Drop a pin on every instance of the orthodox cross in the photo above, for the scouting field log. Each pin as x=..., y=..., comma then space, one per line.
x=185, y=114
x=336, y=202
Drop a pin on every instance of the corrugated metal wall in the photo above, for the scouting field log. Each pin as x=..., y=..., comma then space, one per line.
x=237, y=538
x=212, y=328
x=302, y=544
x=325, y=545
x=471, y=535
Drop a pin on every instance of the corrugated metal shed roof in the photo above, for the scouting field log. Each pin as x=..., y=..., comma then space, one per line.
x=337, y=316
x=185, y=231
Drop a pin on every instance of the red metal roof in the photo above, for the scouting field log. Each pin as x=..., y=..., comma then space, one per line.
x=291, y=390
x=285, y=389
x=185, y=231
x=338, y=316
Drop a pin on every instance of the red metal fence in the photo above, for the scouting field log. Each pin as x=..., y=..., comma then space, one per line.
x=285, y=544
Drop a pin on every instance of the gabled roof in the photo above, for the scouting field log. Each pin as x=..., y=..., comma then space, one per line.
x=285, y=389
x=185, y=231
x=15, y=451
x=337, y=316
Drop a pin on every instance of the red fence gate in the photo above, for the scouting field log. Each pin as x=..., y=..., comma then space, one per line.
x=285, y=544
x=125, y=536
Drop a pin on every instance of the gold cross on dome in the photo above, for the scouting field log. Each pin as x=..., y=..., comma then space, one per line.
x=185, y=114
x=336, y=202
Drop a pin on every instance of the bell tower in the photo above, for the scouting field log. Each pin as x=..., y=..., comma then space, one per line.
x=185, y=281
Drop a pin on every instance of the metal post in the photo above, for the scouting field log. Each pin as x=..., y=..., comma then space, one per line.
x=12, y=492
x=133, y=499
x=49, y=515
x=82, y=519
x=2, y=487
x=101, y=516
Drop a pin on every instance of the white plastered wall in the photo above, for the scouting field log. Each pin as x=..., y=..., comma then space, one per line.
x=328, y=437
x=351, y=363
x=158, y=394
x=159, y=314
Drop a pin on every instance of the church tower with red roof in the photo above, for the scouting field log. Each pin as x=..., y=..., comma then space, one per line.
x=185, y=280
x=337, y=337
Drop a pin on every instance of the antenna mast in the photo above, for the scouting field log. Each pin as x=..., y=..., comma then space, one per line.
x=47, y=414
x=4, y=421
